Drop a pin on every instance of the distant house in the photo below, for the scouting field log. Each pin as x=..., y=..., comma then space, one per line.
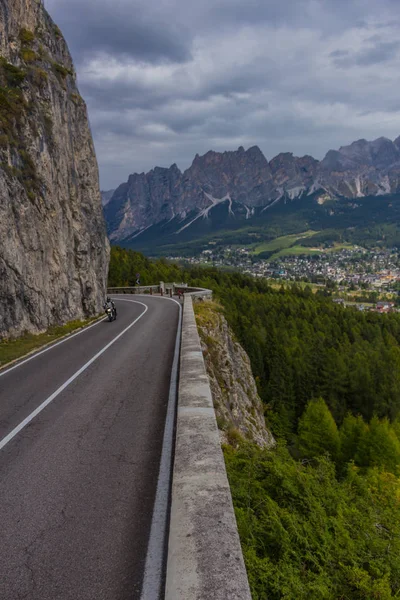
x=384, y=306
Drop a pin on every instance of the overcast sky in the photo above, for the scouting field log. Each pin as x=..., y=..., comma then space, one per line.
x=166, y=79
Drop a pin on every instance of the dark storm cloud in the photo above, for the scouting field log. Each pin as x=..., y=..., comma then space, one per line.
x=119, y=28
x=165, y=79
x=122, y=95
x=378, y=52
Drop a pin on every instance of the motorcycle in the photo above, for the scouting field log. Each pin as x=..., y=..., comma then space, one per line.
x=111, y=314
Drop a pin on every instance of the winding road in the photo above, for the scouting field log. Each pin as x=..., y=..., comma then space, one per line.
x=82, y=460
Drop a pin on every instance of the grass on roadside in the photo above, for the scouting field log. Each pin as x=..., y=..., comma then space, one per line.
x=12, y=349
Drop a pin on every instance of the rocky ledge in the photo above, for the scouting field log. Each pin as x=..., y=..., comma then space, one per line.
x=237, y=405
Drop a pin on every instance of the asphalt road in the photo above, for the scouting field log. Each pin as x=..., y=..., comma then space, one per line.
x=78, y=482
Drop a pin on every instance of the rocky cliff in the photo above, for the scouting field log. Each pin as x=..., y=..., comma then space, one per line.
x=54, y=250
x=246, y=180
x=237, y=404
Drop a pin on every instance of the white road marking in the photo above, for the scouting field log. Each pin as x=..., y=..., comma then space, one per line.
x=23, y=362
x=42, y=406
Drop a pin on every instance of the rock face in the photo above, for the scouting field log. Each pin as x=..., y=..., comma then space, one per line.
x=249, y=180
x=362, y=169
x=54, y=251
x=163, y=194
x=237, y=404
x=106, y=196
x=293, y=175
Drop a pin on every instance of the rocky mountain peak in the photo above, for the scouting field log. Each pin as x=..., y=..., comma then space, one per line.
x=255, y=152
x=380, y=153
x=106, y=196
x=247, y=178
x=332, y=161
x=384, y=152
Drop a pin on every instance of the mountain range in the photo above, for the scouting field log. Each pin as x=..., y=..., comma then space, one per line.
x=244, y=184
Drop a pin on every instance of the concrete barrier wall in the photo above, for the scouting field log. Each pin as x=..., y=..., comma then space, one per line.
x=138, y=289
x=164, y=288
x=199, y=293
x=205, y=560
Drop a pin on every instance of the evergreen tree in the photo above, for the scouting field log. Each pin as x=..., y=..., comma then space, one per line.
x=352, y=431
x=317, y=431
x=396, y=427
x=379, y=447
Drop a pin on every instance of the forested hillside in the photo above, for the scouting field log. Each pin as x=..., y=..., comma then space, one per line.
x=319, y=517
x=125, y=264
x=303, y=346
x=369, y=222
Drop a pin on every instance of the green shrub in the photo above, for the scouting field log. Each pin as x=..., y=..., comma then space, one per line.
x=28, y=55
x=11, y=171
x=48, y=127
x=10, y=75
x=234, y=437
x=26, y=37
x=12, y=107
x=61, y=71
x=222, y=423
x=57, y=32
x=38, y=77
x=76, y=99
x=29, y=177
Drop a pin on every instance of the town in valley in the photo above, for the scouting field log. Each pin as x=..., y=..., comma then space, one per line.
x=366, y=278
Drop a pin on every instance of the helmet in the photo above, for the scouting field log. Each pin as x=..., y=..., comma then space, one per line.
x=108, y=299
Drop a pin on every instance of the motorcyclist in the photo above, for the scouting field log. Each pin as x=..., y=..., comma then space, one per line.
x=110, y=304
